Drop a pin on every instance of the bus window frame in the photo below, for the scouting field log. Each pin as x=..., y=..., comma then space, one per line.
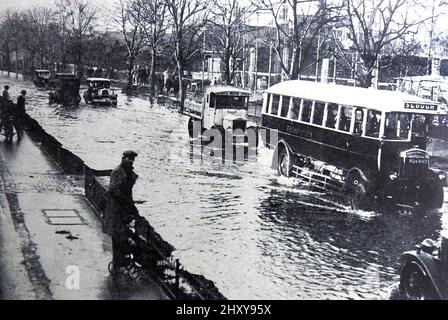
x=365, y=111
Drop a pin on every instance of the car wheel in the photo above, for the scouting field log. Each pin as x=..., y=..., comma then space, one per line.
x=414, y=284
x=133, y=272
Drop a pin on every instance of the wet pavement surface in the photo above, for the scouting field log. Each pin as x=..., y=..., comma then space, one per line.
x=257, y=236
x=50, y=235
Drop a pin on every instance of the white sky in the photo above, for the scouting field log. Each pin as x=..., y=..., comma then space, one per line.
x=440, y=27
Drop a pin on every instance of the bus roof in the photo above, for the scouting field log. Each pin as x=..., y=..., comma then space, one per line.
x=98, y=79
x=226, y=89
x=381, y=100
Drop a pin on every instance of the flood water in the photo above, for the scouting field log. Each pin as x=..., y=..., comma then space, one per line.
x=257, y=236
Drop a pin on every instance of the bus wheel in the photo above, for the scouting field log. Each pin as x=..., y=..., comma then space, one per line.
x=359, y=199
x=357, y=191
x=284, y=163
x=414, y=284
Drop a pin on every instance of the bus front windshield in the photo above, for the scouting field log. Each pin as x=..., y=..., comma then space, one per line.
x=402, y=126
x=231, y=102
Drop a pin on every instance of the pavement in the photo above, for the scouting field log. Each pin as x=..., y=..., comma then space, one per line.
x=51, y=242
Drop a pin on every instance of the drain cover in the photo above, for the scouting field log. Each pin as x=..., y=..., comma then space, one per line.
x=63, y=217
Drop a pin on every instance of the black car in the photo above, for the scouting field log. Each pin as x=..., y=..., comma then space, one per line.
x=99, y=92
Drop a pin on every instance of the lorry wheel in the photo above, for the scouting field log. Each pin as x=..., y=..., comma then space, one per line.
x=414, y=284
x=253, y=131
x=284, y=163
x=190, y=128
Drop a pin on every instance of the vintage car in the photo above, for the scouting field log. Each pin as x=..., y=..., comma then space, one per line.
x=99, y=92
x=66, y=89
x=42, y=78
x=423, y=271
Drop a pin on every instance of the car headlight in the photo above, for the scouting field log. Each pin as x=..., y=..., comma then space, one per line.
x=442, y=175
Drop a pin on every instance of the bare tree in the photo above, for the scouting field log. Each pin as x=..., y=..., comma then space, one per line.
x=45, y=41
x=230, y=33
x=78, y=21
x=128, y=17
x=374, y=25
x=10, y=24
x=154, y=26
x=298, y=24
x=188, y=18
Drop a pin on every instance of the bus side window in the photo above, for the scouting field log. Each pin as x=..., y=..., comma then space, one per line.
x=306, y=110
x=345, y=118
x=391, y=126
x=295, y=108
x=332, y=115
x=318, y=116
x=373, y=124
x=275, y=102
x=285, y=106
x=358, y=121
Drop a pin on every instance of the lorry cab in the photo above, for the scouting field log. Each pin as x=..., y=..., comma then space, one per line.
x=41, y=78
x=66, y=89
x=221, y=107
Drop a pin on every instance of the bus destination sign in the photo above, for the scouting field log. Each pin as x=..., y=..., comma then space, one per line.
x=420, y=106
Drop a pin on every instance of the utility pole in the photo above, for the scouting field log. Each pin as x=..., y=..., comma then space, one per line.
x=203, y=59
x=431, y=34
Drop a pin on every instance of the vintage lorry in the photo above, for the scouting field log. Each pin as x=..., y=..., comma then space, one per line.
x=222, y=108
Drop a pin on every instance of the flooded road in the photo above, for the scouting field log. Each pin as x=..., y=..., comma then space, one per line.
x=257, y=236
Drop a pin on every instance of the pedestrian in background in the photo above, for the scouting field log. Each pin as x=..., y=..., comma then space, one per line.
x=120, y=207
x=19, y=114
x=5, y=94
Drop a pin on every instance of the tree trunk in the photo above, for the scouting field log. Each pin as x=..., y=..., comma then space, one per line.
x=180, y=70
x=129, y=86
x=365, y=79
x=152, y=74
x=226, y=71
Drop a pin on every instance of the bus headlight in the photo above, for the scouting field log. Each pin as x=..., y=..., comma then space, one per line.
x=393, y=176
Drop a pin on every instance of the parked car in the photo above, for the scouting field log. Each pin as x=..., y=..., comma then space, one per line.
x=66, y=89
x=99, y=92
x=42, y=78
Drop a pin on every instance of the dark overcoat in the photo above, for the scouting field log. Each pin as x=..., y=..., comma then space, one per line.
x=120, y=204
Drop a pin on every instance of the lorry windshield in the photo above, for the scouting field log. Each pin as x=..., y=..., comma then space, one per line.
x=231, y=102
x=400, y=125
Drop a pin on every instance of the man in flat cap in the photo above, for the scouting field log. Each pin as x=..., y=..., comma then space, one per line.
x=120, y=207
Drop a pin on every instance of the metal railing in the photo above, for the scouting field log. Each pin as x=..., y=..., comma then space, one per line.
x=153, y=251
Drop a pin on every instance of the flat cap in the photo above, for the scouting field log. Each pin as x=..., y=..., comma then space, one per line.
x=129, y=154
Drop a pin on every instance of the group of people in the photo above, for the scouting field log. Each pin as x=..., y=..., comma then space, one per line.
x=10, y=112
